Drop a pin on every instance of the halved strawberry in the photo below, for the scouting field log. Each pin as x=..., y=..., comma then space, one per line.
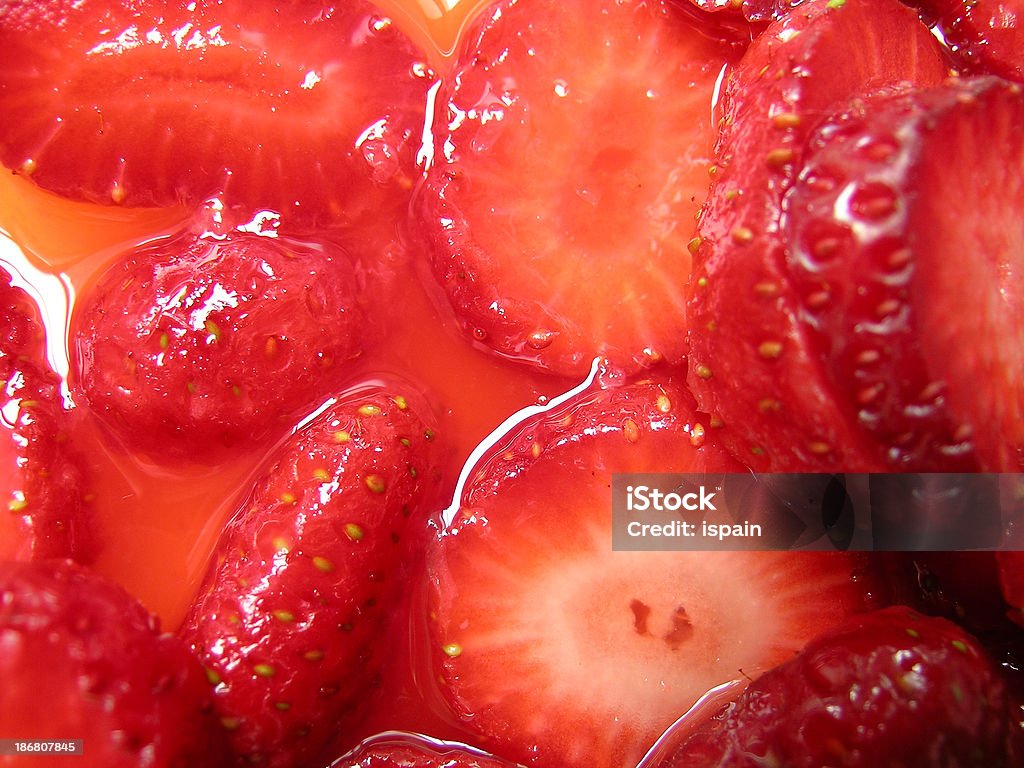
x=891, y=688
x=750, y=362
x=571, y=150
x=309, y=109
x=558, y=650
x=42, y=507
x=986, y=35
x=82, y=659
x=289, y=619
x=409, y=750
x=918, y=337
x=195, y=343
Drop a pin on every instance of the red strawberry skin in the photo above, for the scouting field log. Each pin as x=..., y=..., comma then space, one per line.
x=564, y=183
x=558, y=651
x=888, y=688
x=750, y=366
x=289, y=619
x=304, y=108
x=43, y=511
x=195, y=344
x=405, y=750
x=82, y=659
x=935, y=387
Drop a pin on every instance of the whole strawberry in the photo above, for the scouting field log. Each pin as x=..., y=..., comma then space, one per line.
x=82, y=659
x=42, y=508
x=196, y=343
x=289, y=619
x=892, y=688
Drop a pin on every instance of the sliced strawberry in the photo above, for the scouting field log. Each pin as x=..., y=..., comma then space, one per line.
x=558, y=650
x=407, y=750
x=571, y=150
x=932, y=385
x=82, y=659
x=196, y=343
x=44, y=513
x=289, y=618
x=750, y=364
x=891, y=688
x=986, y=35
x=301, y=107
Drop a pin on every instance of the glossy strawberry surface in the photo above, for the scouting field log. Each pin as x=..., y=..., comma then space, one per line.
x=82, y=659
x=289, y=620
x=749, y=361
x=888, y=688
x=44, y=511
x=194, y=344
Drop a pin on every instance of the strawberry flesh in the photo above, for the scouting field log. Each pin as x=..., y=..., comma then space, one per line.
x=289, y=618
x=571, y=149
x=195, y=344
x=303, y=108
x=82, y=659
x=558, y=650
x=749, y=363
x=889, y=688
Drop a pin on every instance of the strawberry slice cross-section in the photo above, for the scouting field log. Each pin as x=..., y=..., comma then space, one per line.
x=307, y=109
x=558, y=650
x=571, y=153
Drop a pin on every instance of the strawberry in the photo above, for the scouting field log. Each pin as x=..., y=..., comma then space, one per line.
x=193, y=344
x=406, y=750
x=301, y=107
x=556, y=649
x=571, y=148
x=935, y=397
x=890, y=688
x=750, y=363
x=905, y=371
x=985, y=35
x=82, y=659
x=289, y=617
x=44, y=513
